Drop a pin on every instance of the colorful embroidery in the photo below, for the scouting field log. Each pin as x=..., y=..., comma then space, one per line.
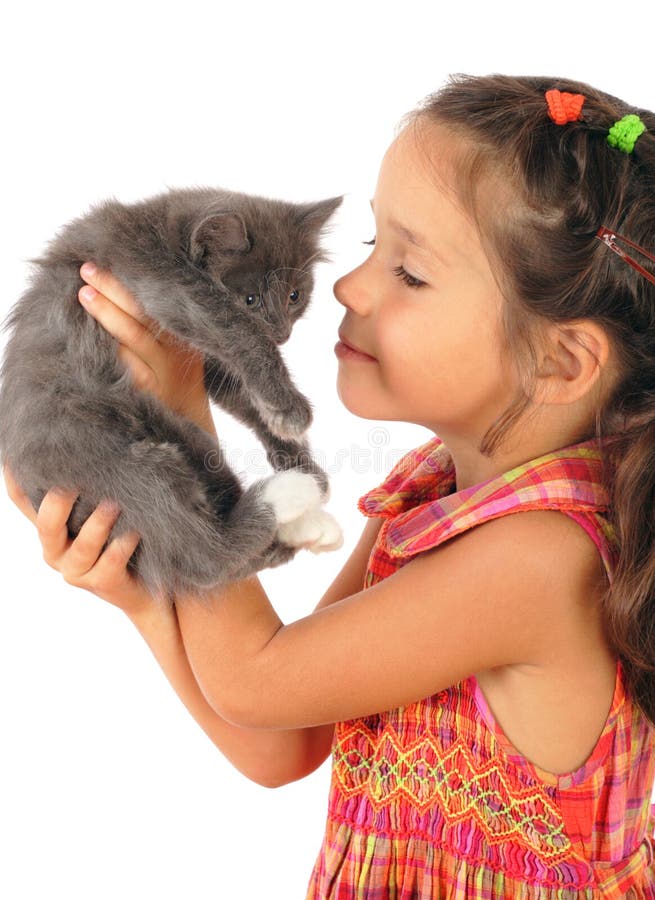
x=424, y=773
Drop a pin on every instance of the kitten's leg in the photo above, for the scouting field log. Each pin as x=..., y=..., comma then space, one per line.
x=201, y=527
x=255, y=358
x=279, y=501
x=258, y=527
x=314, y=528
x=228, y=391
x=278, y=554
x=285, y=411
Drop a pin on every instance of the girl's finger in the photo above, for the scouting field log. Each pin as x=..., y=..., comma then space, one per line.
x=115, y=291
x=83, y=552
x=110, y=571
x=143, y=376
x=126, y=329
x=53, y=514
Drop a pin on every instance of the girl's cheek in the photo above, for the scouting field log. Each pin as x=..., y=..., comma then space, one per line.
x=396, y=339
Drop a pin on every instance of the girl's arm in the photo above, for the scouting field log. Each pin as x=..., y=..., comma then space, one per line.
x=270, y=758
x=449, y=612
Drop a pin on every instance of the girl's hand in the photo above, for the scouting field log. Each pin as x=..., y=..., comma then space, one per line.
x=160, y=363
x=80, y=560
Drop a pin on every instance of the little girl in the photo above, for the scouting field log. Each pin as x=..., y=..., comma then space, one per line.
x=483, y=680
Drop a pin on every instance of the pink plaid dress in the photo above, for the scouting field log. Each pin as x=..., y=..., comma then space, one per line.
x=432, y=800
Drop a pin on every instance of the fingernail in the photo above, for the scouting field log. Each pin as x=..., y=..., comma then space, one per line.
x=88, y=270
x=109, y=507
x=87, y=293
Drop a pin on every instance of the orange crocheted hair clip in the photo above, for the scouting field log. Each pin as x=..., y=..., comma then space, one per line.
x=564, y=107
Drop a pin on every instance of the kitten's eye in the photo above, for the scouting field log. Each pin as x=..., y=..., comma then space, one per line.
x=294, y=296
x=252, y=300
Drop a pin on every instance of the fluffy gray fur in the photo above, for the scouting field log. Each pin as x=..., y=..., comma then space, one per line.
x=226, y=272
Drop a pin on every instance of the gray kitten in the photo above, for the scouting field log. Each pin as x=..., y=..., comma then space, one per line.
x=228, y=273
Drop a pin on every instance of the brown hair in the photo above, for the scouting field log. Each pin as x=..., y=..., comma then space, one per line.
x=562, y=183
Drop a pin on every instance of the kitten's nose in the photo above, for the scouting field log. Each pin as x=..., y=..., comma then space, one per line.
x=283, y=334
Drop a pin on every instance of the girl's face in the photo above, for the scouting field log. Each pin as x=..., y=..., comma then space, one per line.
x=424, y=306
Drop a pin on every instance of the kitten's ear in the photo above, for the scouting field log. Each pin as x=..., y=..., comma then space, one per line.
x=315, y=215
x=219, y=233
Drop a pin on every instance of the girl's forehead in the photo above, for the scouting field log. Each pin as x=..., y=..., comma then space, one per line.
x=417, y=186
x=420, y=168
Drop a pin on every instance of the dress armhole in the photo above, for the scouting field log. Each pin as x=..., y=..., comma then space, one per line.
x=599, y=531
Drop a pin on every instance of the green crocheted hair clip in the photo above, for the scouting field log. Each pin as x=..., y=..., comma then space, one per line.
x=624, y=133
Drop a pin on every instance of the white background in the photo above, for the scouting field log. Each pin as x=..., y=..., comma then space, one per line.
x=108, y=788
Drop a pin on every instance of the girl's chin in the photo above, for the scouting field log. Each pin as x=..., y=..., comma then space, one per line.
x=359, y=401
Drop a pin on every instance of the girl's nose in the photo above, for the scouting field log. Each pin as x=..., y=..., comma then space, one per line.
x=351, y=291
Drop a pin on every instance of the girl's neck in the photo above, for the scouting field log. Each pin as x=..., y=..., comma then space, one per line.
x=472, y=468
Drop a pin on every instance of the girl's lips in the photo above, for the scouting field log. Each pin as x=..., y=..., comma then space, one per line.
x=344, y=351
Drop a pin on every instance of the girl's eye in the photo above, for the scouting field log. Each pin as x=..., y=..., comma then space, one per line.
x=409, y=280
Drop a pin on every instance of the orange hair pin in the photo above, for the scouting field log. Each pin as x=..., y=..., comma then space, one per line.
x=564, y=107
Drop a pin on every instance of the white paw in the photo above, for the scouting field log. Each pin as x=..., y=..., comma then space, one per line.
x=289, y=425
x=291, y=493
x=316, y=530
x=279, y=425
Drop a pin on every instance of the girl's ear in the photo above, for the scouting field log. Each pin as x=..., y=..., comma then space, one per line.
x=218, y=233
x=315, y=215
x=579, y=352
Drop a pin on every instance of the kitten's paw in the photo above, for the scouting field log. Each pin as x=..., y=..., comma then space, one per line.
x=299, y=456
x=291, y=494
x=289, y=424
x=321, y=479
x=316, y=530
x=277, y=555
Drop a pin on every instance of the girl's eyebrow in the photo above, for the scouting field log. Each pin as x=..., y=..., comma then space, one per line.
x=416, y=239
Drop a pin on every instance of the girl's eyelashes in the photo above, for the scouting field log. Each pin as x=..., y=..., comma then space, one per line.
x=409, y=280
